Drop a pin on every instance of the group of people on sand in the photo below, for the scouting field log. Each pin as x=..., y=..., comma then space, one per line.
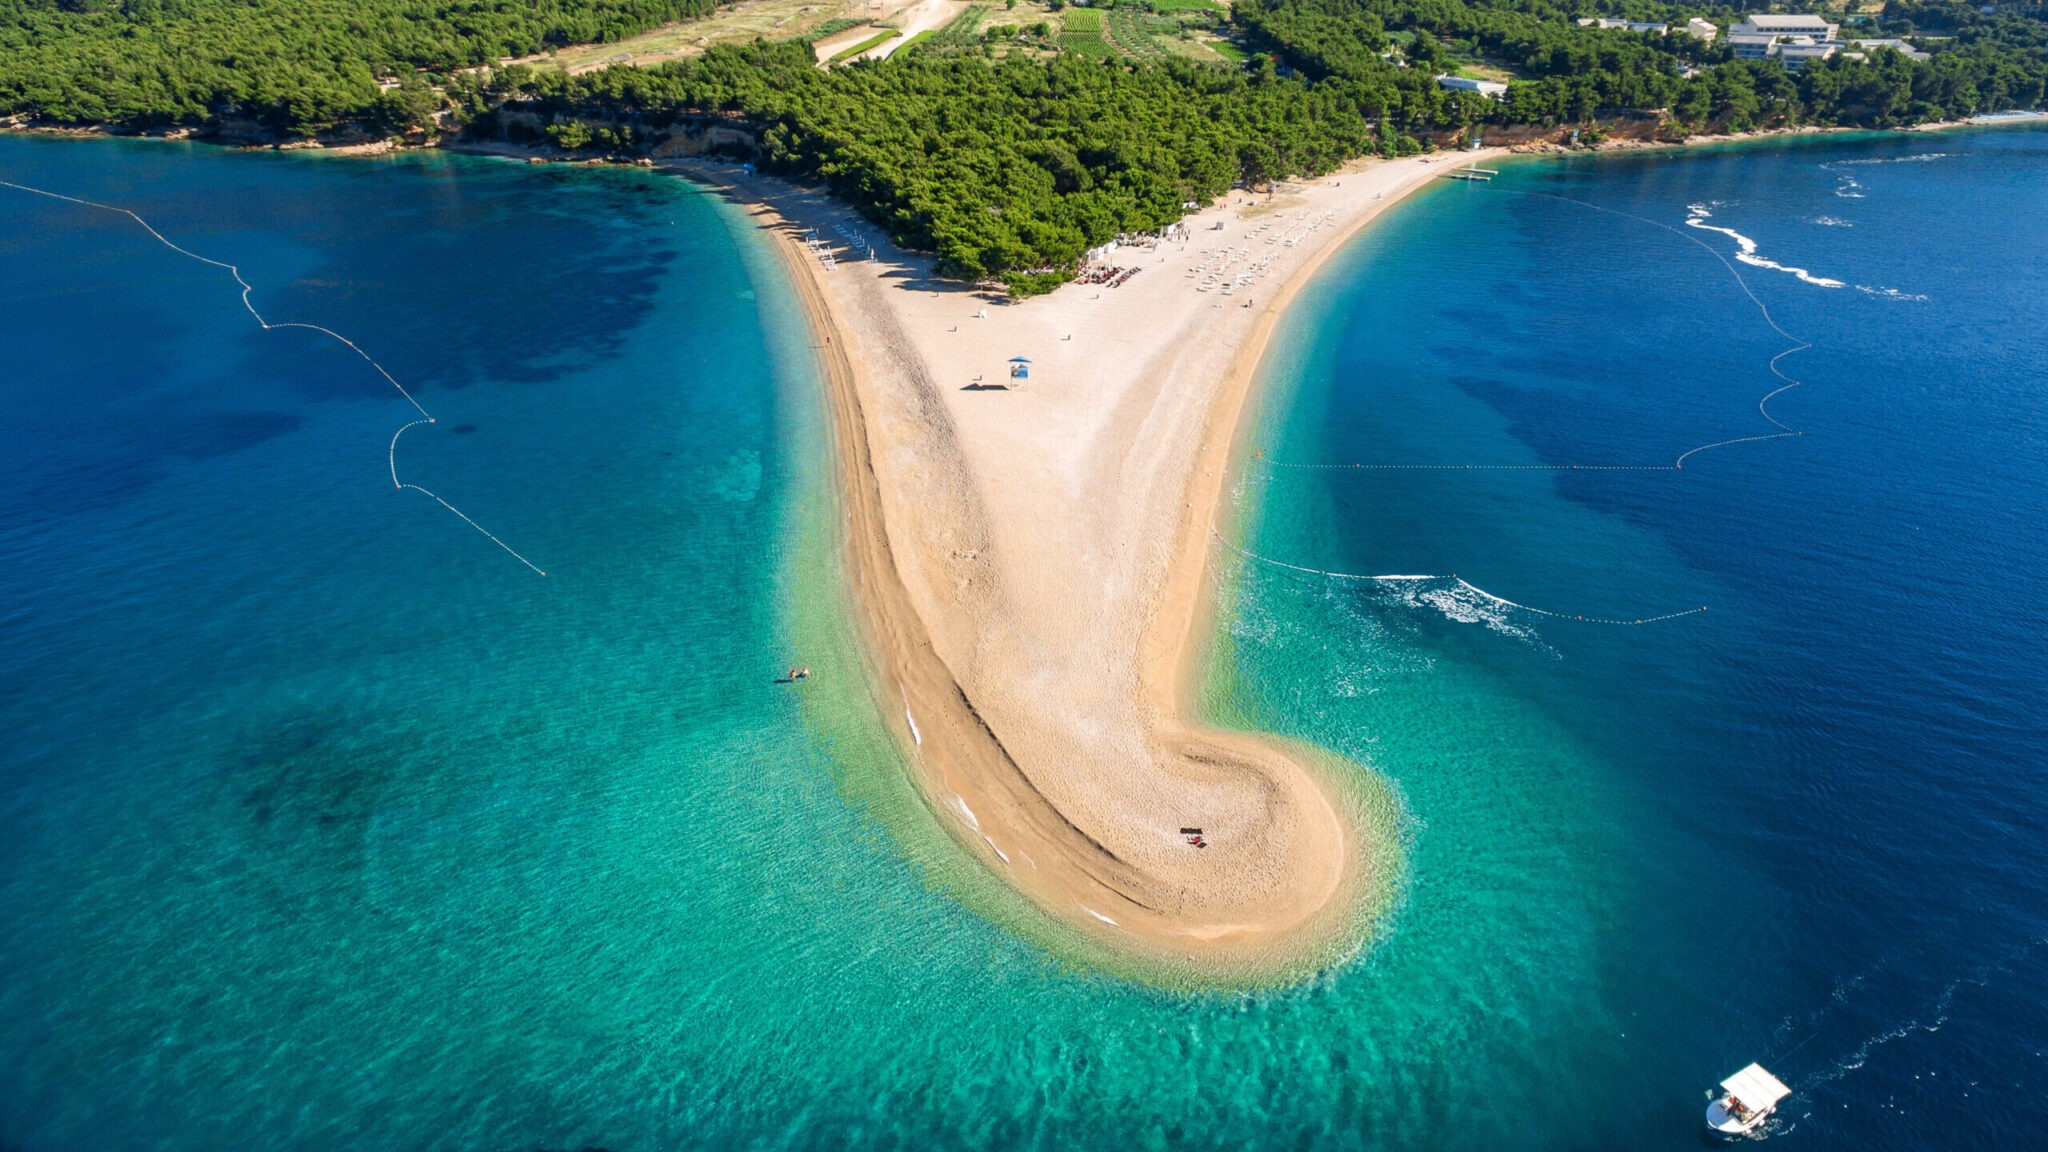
x=1110, y=275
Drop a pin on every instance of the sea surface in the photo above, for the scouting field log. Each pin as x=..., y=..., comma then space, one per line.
x=326, y=822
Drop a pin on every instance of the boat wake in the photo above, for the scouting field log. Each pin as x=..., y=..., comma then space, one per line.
x=1874, y=161
x=1700, y=213
x=1891, y=293
x=271, y=326
x=1458, y=599
x=1837, y=999
x=1929, y=1020
x=1849, y=188
x=1697, y=216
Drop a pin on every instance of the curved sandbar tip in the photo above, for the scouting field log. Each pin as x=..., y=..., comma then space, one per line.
x=1027, y=566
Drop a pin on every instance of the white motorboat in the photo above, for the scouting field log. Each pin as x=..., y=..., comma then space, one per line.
x=1746, y=1099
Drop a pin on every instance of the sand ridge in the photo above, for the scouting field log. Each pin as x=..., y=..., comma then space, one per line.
x=1029, y=567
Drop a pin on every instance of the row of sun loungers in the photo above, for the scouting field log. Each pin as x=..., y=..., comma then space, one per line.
x=1228, y=269
x=820, y=249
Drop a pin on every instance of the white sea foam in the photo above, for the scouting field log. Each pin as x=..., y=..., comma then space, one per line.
x=1699, y=214
x=972, y=822
x=1832, y=222
x=1890, y=293
x=1254, y=622
x=1460, y=605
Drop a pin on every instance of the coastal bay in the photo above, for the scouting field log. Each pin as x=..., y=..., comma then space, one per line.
x=423, y=851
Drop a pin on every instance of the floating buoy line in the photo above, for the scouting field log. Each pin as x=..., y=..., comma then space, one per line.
x=1796, y=345
x=268, y=326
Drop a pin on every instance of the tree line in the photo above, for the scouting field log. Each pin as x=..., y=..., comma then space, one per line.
x=1002, y=168
x=1007, y=168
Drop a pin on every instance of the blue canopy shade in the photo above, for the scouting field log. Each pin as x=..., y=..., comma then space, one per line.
x=1020, y=360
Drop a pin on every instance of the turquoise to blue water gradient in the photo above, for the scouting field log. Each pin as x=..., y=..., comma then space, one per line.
x=326, y=824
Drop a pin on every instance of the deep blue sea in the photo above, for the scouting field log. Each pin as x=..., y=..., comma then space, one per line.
x=327, y=823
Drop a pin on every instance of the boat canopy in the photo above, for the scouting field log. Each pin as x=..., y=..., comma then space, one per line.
x=1757, y=1089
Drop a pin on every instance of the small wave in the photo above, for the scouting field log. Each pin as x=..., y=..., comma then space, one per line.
x=1832, y=222
x=1890, y=293
x=1923, y=158
x=1699, y=214
x=1460, y=605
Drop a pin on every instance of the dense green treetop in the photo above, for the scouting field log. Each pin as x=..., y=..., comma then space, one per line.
x=999, y=167
x=1006, y=163
x=293, y=65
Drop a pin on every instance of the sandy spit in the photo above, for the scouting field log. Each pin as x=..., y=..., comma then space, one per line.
x=1030, y=567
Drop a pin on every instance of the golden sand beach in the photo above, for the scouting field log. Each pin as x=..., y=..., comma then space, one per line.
x=1029, y=565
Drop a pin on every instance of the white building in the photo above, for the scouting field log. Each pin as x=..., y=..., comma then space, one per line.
x=1491, y=89
x=1628, y=25
x=1899, y=46
x=1791, y=51
x=1701, y=29
x=1764, y=24
x=1751, y=46
x=1794, y=53
x=1791, y=40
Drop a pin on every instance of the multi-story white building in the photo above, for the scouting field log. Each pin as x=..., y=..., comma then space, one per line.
x=1764, y=24
x=1793, y=53
x=1793, y=40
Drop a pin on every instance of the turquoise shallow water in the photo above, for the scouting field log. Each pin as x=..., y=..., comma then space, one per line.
x=325, y=824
